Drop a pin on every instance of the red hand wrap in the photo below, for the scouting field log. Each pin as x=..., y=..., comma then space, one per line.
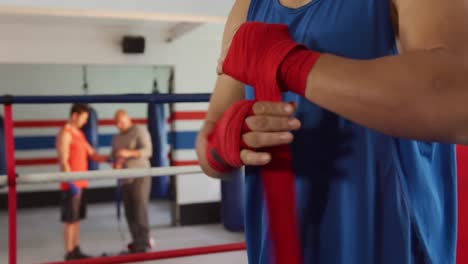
x=295, y=69
x=264, y=55
x=258, y=47
x=224, y=142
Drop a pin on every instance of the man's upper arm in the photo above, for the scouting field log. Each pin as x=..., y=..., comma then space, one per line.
x=144, y=142
x=113, y=150
x=90, y=149
x=63, y=146
x=227, y=90
x=237, y=16
x=432, y=24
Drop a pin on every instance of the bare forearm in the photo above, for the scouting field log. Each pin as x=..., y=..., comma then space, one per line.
x=227, y=91
x=418, y=95
x=138, y=153
x=200, y=149
x=99, y=158
x=64, y=167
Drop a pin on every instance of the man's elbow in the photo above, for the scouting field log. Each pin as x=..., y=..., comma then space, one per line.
x=143, y=154
x=454, y=131
x=461, y=136
x=64, y=166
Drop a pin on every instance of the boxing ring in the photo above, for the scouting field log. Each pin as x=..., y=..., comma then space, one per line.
x=11, y=179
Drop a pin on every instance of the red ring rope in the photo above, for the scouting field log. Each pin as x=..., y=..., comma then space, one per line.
x=176, y=253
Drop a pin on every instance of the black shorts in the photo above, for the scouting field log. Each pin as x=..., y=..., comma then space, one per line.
x=73, y=208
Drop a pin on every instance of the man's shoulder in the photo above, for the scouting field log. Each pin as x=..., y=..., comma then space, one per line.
x=140, y=129
x=64, y=131
x=116, y=137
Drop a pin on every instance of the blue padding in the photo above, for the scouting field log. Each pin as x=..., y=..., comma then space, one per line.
x=91, y=132
x=34, y=143
x=2, y=149
x=178, y=140
x=232, y=201
x=43, y=142
x=158, y=131
x=124, y=98
x=48, y=142
x=105, y=140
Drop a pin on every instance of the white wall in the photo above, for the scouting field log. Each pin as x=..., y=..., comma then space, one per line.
x=193, y=56
x=195, y=72
x=76, y=44
x=180, y=10
x=57, y=79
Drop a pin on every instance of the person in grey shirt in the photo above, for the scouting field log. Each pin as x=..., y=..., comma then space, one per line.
x=132, y=148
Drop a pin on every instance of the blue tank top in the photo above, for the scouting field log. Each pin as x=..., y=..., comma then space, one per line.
x=362, y=197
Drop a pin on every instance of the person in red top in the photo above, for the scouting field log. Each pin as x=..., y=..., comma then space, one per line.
x=73, y=152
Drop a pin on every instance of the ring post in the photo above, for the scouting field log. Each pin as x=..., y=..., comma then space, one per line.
x=10, y=161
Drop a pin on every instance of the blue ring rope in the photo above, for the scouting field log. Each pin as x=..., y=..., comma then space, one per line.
x=124, y=98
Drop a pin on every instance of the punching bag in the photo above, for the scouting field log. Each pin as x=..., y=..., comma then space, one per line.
x=91, y=132
x=157, y=129
x=2, y=149
x=232, y=201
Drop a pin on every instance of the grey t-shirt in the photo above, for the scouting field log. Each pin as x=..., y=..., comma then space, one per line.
x=135, y=138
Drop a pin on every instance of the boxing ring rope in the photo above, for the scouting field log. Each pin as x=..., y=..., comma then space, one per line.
x=176, y=253
x=37, y=178
x=126, y=98
x=12, y=180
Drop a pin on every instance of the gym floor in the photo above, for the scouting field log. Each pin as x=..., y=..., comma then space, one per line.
x=40, y=235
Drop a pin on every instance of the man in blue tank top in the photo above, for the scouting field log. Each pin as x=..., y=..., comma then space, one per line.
x=369, y=132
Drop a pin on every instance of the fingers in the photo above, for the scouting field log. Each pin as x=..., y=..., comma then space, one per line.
x=253, y=158
x=271, y=125
x=274, y=108
x=263, y=123
x=267, y=139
